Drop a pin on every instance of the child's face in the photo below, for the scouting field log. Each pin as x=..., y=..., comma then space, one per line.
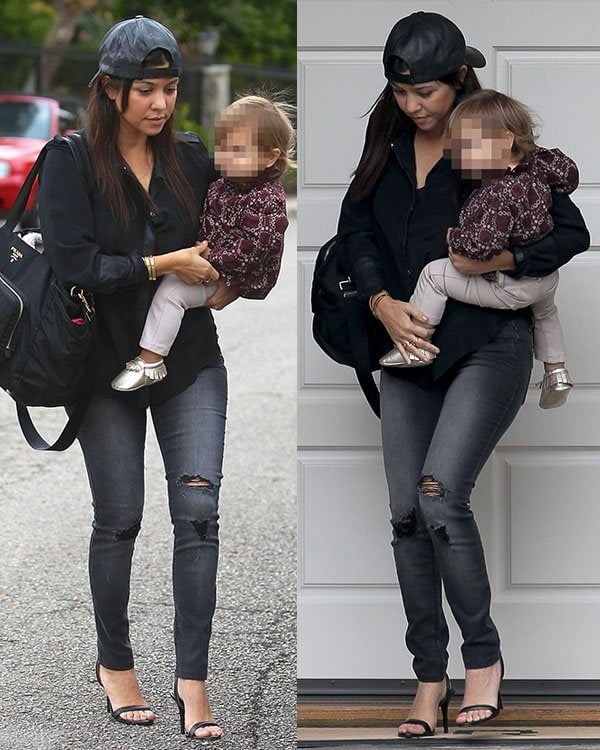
x=479, y=149
x=239, y=157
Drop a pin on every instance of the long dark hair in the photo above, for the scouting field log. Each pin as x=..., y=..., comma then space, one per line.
x=387, y=122
x=103, y=120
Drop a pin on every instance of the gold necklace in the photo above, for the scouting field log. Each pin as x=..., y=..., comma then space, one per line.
x=143, y=169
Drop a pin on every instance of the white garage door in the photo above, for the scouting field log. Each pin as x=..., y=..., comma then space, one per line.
x=538, y=499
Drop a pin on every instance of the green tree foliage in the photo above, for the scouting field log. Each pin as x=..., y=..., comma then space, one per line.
x=21, y=21
x=256, y=33
x=25, y=20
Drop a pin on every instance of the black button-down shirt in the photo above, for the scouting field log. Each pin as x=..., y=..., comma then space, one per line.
x=88, y=247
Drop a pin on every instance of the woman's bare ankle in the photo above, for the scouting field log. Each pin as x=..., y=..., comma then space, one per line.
x=123, y=689
x=425, y=705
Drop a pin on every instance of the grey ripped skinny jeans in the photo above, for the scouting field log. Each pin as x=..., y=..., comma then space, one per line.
x=190, y=428
x=435, y=442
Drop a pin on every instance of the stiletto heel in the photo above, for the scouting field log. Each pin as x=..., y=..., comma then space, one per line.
x=430, y=731
x=191, y=732
x=495, y=710
x=445, y=703
x=117, y=713
x=180, y=707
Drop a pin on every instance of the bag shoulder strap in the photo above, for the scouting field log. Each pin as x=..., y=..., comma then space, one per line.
x=76, y=144
x=18, y=208
x=359, y=341
x=76, y=141
x=71, y=429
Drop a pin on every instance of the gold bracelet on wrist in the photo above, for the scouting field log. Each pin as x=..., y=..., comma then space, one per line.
x=150, y=266
x=374, y=301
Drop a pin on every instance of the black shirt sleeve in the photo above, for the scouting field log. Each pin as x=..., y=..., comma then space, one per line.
x=568, y=238
x=69, y=232
x=358, y=248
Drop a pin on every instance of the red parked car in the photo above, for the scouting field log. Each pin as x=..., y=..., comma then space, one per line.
x=26, y=123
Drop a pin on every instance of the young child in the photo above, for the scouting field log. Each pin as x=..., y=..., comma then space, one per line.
x=244, y=221
x=492, y=142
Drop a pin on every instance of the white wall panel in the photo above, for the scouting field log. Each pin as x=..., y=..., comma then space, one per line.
x=346, y=502
x=372, y=645
x=332, y=156
x=318, y=215
x=554, y=543
x=330, y=418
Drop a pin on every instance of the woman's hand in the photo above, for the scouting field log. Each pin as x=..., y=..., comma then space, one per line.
x=407, y=327
x=505, y=261
x=188, y=264
x=224, y=296
x=205, y=249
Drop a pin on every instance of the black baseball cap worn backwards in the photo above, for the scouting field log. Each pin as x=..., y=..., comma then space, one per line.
x=430, y=45
x=127, y=44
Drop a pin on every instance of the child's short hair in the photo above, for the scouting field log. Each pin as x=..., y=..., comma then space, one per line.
x=499, y=112
x=271, y=124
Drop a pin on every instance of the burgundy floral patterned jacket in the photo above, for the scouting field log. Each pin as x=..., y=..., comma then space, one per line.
x=244, y=226
x=515, y=209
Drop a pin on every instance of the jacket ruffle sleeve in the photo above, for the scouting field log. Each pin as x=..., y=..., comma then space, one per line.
x=69, y=231
x=569, y=237
x=560, y=170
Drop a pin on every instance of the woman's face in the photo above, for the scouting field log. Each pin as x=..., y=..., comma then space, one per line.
x=151, y=103
x=427, y=104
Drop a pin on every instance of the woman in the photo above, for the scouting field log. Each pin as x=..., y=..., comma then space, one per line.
x=113, y=233
x=439, y=423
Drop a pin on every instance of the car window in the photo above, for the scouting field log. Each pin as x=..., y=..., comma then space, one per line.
x=25, y=120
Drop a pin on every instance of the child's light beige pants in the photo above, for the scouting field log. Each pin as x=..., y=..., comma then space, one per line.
x=440, y=280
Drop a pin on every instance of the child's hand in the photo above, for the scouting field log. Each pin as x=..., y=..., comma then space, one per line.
x=504, y=261
x=224, y=296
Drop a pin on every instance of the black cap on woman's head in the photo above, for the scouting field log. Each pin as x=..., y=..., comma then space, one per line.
x=128, y=43
x=430, y=45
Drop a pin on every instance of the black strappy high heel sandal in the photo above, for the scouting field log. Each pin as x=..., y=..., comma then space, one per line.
x=430, y=731
x=191, y=732
x=495, y=710
x=117, y=713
